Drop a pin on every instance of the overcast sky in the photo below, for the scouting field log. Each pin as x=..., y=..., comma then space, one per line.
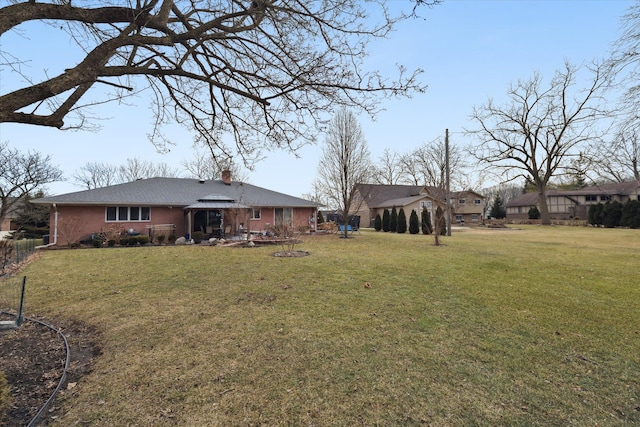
x=470, y=50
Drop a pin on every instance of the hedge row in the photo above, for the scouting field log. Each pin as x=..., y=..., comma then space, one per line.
x=615, y=214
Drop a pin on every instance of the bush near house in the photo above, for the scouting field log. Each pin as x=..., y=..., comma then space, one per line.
x=425, y=222
x=377, y=224
x=386, y=218
x=393, y=220
x=402, y=222
x=534, y=213
x=615, y=214
x=414, y=223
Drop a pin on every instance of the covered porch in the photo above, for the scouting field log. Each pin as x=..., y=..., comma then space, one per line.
x=216, y=216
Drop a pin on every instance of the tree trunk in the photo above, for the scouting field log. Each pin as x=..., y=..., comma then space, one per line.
x=545, y=219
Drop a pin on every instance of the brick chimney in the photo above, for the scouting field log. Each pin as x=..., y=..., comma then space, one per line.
x=226, y=176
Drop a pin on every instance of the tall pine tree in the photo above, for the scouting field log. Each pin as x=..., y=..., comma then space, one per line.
x=385, y=221
x=402, y=222
x=414, y=223
x=393, y=220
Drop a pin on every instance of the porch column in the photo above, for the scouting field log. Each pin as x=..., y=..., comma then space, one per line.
x=189, y=223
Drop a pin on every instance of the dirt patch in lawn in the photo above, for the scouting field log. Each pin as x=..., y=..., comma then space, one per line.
x=32, y=358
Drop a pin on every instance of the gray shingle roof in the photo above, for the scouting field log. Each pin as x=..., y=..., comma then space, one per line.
x=177, y=192
x=616, y=188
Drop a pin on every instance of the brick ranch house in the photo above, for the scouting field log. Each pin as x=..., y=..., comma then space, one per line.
x=179, y=206
x=573, y=204
x=372, y=199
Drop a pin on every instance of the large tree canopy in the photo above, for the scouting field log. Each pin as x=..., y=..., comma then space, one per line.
x=264, y=71
x=541, y=128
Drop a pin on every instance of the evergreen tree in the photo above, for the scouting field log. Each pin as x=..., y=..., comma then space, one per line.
x=498, y=211
x=32, y=220
x=393, y=220
x=534, y=213
x=320, y=218
x=631, y=214
x=378, y=223
x=426, y=222
x=611, y=214
x=385, y=220
x=414, y=223
x=595, y=214
x=402, y=222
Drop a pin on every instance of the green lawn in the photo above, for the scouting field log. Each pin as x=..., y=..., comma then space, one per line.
x=538, y=326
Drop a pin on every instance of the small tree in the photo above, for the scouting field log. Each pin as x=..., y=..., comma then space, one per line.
x=378, y=223
x=498, y=211
x=414, y=223
x=534, y=213
x=393, y=220
x=402, y=222
x=426, y=222
x=386, y=218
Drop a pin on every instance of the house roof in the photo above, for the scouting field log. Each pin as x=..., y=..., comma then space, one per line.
x=403, y=201
x=178, y=192
x=616, y=188
x=377, y=194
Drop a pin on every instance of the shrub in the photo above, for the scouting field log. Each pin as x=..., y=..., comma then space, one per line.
x=378, y=223
x=111, y=243
x=142, y=239
x=534, y=213
x=385, y=221
x=172, y=238
x=414, y=223
x=402, y=222
x=160, y=238
x=393, y=220
x=631, y=214
x=5, y=396
x=425, y=222
x=97, y=243
x=595, y=215
x=611, y=214
x=197, y=236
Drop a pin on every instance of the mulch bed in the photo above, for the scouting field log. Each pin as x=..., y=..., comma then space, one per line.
x=32, y=358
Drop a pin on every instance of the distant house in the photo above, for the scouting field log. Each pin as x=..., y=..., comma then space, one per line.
x=371, y=199
x=573, y=204
x=178, y=206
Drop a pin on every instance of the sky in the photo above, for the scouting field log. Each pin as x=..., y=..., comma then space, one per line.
x=470, y=50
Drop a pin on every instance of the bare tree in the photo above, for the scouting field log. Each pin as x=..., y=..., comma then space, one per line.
x=344, y=163
x=535, y=134
x=264, y=72
x=96, y=175
x=165, y=170
x=136, y=169
x=431, y=164
x=626, y=59
x=617, y=160
x=388, y=170
x=21, y=174
x=206, y=165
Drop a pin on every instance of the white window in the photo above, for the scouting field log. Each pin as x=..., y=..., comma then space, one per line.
x=477, y=201
x=127, y=213
x=255, y=213
x=461, y=201
x=474, y=217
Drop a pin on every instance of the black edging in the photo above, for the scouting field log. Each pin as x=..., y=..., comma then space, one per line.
x=36, y=419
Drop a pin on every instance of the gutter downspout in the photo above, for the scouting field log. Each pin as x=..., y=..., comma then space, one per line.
x=55, y=229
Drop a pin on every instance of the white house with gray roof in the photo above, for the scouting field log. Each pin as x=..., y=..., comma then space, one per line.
x=177, y=206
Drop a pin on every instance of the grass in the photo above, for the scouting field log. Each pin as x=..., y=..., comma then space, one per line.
x=537, y=326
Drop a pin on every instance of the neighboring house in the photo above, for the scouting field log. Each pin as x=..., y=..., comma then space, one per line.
x=373, y=199
x=573, y=204
x=7, y=225
x=179, y=206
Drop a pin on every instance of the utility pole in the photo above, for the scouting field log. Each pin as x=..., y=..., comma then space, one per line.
x=448, y=184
